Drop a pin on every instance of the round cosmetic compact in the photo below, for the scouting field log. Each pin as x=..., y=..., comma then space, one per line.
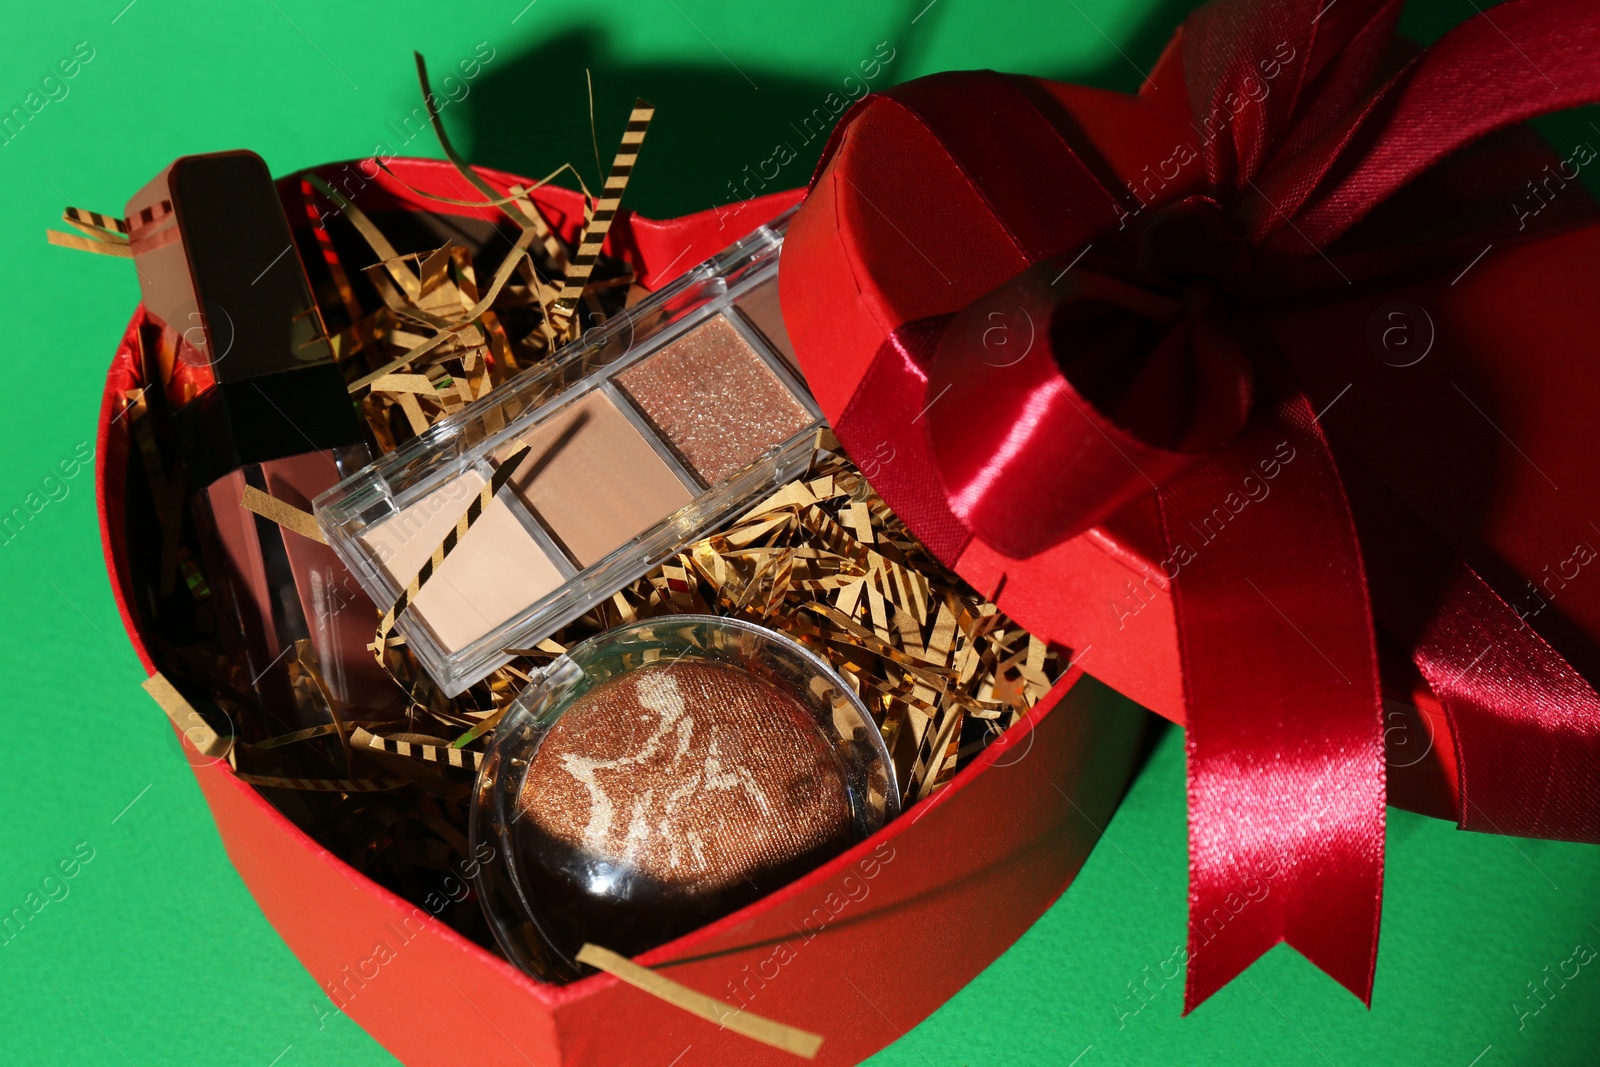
x=661, y=775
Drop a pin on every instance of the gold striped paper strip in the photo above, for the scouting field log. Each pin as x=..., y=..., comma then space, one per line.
x=497, y=481
x=605, y=211
x=802, y=1043
x=281, y=512
x=89, y=244
x=109, y=235
x=94, y=223
x=321, y=785
x=195, y=729
x=148, y=216
x=447, y=755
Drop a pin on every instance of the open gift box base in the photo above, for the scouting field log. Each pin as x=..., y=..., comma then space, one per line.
x=859, y=950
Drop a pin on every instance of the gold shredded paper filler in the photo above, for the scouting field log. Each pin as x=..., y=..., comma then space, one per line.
x=822, y=559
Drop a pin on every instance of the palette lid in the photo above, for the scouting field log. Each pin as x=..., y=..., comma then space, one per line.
x=937, y=192
x=579, y=476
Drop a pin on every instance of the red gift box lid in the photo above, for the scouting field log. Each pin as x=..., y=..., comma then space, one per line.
x=1481, y=425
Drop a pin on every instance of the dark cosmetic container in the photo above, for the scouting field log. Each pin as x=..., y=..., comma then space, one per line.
x=252, y=397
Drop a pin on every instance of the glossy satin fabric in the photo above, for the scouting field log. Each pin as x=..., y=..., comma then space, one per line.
x=1142, y=373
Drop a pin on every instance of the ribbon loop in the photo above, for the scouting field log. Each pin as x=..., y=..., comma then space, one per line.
x=1084, y=382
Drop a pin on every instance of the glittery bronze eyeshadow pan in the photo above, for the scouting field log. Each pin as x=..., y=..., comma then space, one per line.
x=728, y=769
x=703, y=779
x=715, y=400
x=665, y=773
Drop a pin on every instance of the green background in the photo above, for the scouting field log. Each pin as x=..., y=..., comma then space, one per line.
x=158, y=954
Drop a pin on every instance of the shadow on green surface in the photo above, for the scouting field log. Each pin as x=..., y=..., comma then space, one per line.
x=722, y=131
x=715, y=133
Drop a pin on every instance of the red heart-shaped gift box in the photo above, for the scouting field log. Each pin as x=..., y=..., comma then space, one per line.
x=858, y=950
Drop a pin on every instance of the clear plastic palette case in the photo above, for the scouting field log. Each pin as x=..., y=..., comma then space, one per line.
x=645, y=434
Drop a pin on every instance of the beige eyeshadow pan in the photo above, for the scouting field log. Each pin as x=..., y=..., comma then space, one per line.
x=715, y=400
x=593, y=480
x=496, y=571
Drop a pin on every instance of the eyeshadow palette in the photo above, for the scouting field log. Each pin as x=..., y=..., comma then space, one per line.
x=644, y=434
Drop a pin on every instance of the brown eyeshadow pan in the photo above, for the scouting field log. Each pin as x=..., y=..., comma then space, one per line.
x=593, y=480
x=715, y=400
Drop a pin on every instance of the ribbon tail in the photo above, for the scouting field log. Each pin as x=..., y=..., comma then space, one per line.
x=1285, y=729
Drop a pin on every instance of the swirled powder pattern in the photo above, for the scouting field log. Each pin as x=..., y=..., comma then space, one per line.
x=695, y=777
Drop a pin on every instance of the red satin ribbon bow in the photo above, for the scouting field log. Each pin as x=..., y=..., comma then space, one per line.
x=1094, y=379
